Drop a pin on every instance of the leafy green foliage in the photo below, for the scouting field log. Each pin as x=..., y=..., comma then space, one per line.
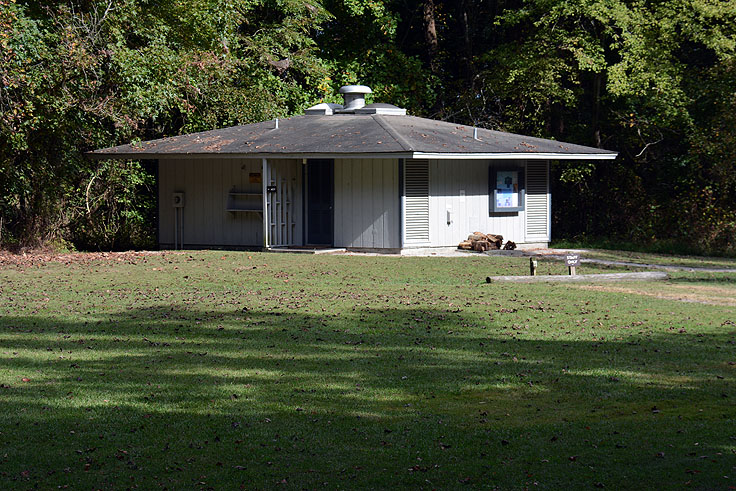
x=652, y=80
x=628, y=76
x=118, y=204
x=84, y=77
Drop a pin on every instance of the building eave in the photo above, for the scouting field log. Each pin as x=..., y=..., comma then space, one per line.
x=255, y=156
x=515, y=156
x=388, y=155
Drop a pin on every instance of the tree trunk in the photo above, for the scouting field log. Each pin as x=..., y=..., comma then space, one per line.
x=430, y=35
x=467, y=47
x=596, y=108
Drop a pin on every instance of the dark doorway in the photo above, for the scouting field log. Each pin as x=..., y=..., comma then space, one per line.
x=320, y=201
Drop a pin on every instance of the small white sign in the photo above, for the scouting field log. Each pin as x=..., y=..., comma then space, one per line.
x=572, y=260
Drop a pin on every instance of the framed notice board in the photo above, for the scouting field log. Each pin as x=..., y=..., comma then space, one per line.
x=506, y=191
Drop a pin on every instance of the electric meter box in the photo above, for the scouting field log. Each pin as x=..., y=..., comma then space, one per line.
x=177, y=199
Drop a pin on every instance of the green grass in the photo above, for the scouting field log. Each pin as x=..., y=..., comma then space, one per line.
x=667, y=247
x=662, y=259
x=223, y=370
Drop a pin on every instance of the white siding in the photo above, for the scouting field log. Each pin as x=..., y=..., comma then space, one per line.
x=537, y=202
x=206, y=184
x=461, y=187
x=367, y=203
x=366, y=209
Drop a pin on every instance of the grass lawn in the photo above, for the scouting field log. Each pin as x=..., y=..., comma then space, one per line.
x=662, y=259
x=662, y=252
x=220, y=370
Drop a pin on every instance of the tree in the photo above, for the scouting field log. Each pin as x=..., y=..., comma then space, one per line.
x=83, y=76
x=652, y=80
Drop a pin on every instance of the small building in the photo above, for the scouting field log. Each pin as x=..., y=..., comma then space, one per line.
x=357, y=176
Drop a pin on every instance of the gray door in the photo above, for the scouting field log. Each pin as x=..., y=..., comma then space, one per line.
x=320, y=202
x=281, y=175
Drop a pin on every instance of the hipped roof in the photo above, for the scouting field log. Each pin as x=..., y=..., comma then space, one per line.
x=348, y=135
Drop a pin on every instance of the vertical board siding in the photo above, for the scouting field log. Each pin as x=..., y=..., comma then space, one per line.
x=468, y=213
x=416, y=208
x=369, y=194
x=366, y=203
x=232, y=226
x=537, y=201
x=206, y=184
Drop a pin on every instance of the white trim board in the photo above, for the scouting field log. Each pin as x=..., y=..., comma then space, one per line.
x=516, y=156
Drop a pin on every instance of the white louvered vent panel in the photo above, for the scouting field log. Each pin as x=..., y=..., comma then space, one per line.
x=416, y=188
x=537, y=203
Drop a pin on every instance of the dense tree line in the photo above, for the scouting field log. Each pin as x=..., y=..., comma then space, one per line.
x=655, y=81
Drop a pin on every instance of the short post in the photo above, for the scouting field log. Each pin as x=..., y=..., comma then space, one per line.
x=572, y=261
x=532, y=266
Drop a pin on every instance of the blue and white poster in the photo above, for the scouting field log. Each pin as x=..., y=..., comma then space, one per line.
x=507, y=189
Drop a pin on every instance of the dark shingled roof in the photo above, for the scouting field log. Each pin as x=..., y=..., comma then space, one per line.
x=346, y=135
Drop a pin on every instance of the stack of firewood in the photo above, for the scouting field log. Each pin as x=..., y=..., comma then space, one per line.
x=478, y=241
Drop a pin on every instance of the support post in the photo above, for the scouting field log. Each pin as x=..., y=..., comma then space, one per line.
x=402, y=204
x=532, y=266
x=176, y=226
x=572, y=270
x=264, y=183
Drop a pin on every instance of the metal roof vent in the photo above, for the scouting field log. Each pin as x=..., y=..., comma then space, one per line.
x=381, y=108
x=354, y=96
x=354, y=104
x=323, y=109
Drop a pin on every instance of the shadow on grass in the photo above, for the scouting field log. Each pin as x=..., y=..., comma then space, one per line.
x=411, y=397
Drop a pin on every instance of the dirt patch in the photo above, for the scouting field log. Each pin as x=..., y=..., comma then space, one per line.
x=708, y=295
x=40, y=257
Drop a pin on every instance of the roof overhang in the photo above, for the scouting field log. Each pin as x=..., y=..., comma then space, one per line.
x=391, y=155
x=354, y=136
x=515, y=156
x=253, y=156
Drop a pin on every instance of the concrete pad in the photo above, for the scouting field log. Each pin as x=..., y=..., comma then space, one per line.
x=307, y=250
x=438, y=252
